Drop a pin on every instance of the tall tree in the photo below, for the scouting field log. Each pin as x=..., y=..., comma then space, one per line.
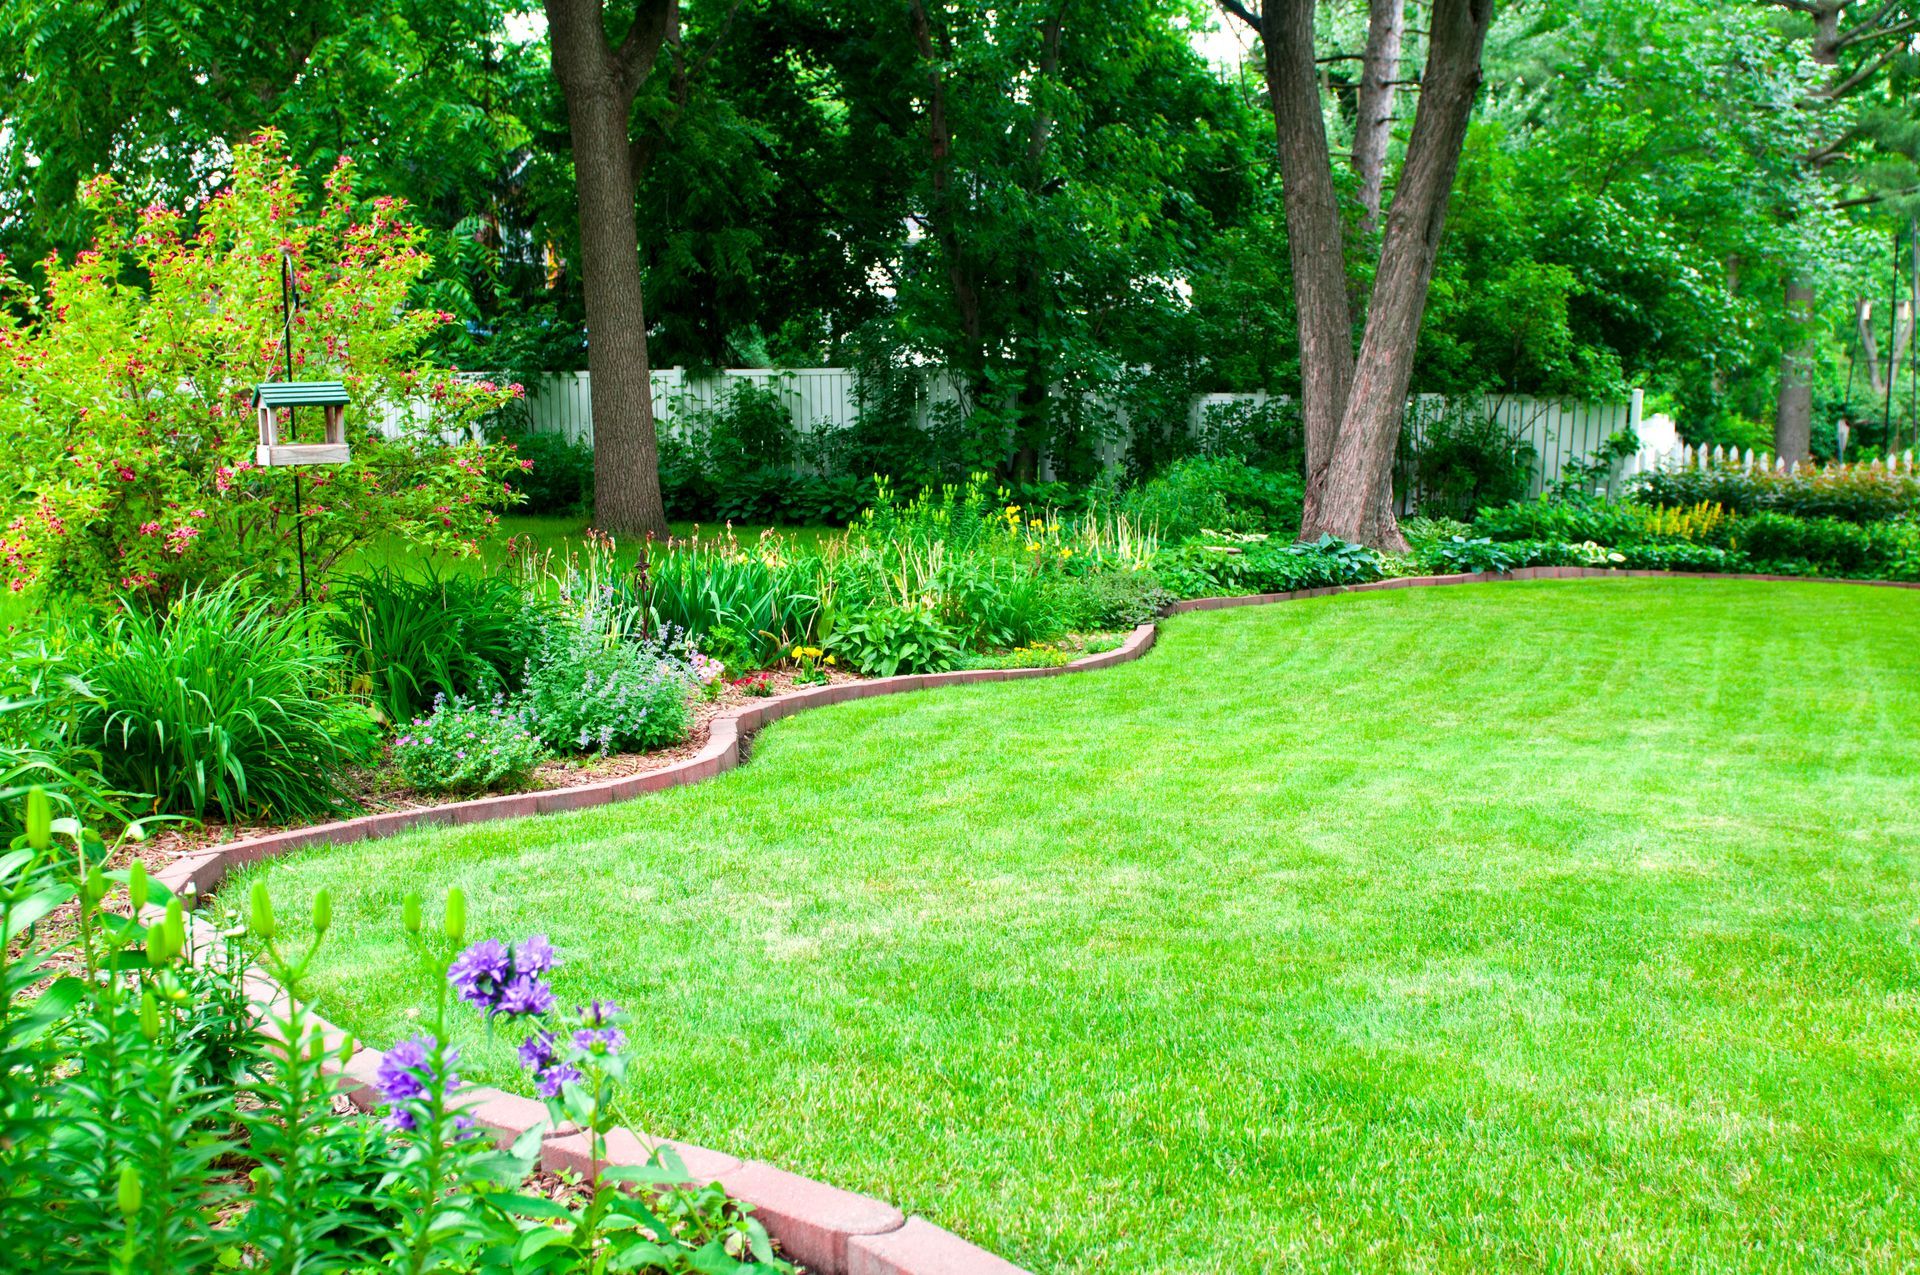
x=1353, y=405
x=1373, y=106
x=1855, y=44
x=600, y=79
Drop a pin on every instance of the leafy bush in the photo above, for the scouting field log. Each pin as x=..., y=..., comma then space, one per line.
x=1204, y=493
x=1457, y=554
x=1819, y=546
x=590, y=692
x=885, y=640
x=1268, y=436
x=556, y=475
x=1465, y=460
x=1255, y=564
x=155, y=1120
x=1852, y=493
x=463, y=747
x=125, y=401
x=412, y=638
x=1682, y=557
x=1603, y=522
x=215, y=705
x=1110, y=598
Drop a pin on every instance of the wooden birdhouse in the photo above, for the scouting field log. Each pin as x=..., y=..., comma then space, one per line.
x=329, y=396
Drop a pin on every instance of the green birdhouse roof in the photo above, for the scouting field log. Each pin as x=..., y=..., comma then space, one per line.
x=300, y=394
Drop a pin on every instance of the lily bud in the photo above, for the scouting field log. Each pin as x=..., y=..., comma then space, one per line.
x=260, y=909
x=149, y=1016
x=95, y=886
x=322, y=911
x=39, y=819
x=137, y=884
x=129, y=1192
x=175, y=928
x=157, y=954
x=456, y=925
x=410, y=911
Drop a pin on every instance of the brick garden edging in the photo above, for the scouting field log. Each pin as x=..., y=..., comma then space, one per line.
x=831, y=1231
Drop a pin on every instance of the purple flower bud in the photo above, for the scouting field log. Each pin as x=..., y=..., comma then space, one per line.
x=405, y=1072
x=534, y=956
x=547, y=1084
x=524, y=994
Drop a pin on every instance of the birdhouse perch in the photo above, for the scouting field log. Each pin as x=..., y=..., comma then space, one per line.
x=329, y=396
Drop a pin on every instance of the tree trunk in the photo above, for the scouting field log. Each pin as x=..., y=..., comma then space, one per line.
x=1793, y=411
x=1355, y=502
x=599, y=84
x=1316, y=239
x=1373, y=109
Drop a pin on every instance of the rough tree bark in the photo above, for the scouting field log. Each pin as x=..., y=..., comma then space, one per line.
x=1373, y=108
x=1355, y=503
x=599, y=81
x=1793, y=412
x=1316, y=236
x=1353, y=407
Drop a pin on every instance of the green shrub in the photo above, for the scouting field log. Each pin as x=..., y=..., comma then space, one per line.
x=587, y=691
x=1204, y=493
x=1268, y=436
x=1818, y=546
x=1465, y=460
x=1852, y=493
x=1108, y=599
x=216, y=705
x=884, y=640
x=1263, y=565
x=1682, y=557
x=1604, y=522
x=463, y=747
x=1457, y=554
x=561, y=478
x=411, y=639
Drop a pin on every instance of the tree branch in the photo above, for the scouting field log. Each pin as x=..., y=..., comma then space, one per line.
x=1865, y=73
x=653, y=21
x=1235, y=9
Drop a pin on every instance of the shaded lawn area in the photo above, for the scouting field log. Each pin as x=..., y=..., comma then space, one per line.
x=1548, y=924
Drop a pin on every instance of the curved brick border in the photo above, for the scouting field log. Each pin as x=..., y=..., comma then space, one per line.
x=831, y=1231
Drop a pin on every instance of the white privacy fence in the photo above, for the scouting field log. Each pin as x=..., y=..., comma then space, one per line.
x=1559, y=431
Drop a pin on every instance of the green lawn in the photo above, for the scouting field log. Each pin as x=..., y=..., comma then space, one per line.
x=1545, y=925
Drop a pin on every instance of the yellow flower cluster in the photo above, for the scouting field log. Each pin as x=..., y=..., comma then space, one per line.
x=809, y=653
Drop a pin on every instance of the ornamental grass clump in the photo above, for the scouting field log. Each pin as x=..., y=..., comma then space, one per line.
x=217, y=706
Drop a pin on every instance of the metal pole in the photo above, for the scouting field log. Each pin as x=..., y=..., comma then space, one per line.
x=286, y=344
x=1913, y=345
x=1893, y=339
x=300, y=537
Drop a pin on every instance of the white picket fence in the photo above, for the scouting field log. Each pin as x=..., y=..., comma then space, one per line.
x=1682, y=456
x=1560, y=431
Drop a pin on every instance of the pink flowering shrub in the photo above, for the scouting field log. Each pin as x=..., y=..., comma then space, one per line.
x=125, y=388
